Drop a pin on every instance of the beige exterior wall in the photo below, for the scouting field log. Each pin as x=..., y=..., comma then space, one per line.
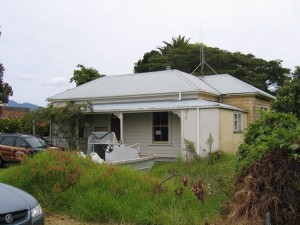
x=230, y=140
x=246, y=103
x=208, y=97
x=251, y=104
x=259, y=104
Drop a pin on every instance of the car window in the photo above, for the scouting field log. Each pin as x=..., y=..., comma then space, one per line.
x=1, y=138
x=9, y=141
x=20, y=142
x=44, y=140
x=36, y=142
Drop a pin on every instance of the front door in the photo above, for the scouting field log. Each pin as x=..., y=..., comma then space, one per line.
x=115, y=127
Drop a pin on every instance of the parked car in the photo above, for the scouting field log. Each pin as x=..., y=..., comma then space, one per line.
x=49, y=144
x=19, y=207
x=13, y=147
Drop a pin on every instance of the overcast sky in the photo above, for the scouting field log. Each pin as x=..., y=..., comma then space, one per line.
x=42, y=41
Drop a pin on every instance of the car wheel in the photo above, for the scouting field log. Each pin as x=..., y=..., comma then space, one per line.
x=1, y=162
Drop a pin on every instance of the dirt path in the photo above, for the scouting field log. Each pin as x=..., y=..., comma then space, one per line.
x=54, y=219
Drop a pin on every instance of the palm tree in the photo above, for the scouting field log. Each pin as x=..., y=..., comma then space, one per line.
x=176, y=43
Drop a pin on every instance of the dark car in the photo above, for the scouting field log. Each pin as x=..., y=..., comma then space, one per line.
x=14, y=146
x=49, y=144
x=19, y=207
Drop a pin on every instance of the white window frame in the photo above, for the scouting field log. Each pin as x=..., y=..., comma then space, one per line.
x=168, y=126
x=237, y=121
x=265, y=108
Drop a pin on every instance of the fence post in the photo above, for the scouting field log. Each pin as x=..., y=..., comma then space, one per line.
x=268, y=218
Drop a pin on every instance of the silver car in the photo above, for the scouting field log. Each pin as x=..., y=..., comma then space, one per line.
x=19, y=207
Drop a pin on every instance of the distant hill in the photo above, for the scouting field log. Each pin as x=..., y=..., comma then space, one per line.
x=25, y=105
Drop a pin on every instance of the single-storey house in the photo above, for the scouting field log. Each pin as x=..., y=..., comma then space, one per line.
x=160, y=110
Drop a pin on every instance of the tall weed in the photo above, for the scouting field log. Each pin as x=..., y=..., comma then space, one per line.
x=65, y=183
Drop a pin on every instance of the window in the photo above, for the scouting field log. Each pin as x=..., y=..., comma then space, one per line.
x=160, y=127
x=20, y=142
x=9, y=141
x=265, y=108
x=237, y=120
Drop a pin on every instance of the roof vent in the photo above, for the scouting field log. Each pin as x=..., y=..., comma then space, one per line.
x=168, y=68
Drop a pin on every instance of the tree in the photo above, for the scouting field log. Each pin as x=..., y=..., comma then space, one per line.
x=5, y=89
x=288, y=96
x=272, y=131
x=152, y=61
x=84, y=75
x=184, y=56
x=65, y=121
x=176, y=43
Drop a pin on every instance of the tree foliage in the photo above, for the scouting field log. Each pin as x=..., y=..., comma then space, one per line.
x=65, y=120
x=182, y=55
x=84, y=75
x=176, y=43
x=25, y=125
x=14, y=125
x=5, y=89
x=288, y=96
x=271, y=132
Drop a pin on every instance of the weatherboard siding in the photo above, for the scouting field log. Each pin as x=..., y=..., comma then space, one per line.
x=138, y=129
x=101, y=121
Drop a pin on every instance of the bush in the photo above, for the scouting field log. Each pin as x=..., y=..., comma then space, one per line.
x=269, y=178
x=8, y=125
x=271, y=184
x=271, y=132
x=24, y=125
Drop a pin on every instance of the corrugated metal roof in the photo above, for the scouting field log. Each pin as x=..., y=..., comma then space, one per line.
x=168, y=81
x=227, y=84
x=160, y=105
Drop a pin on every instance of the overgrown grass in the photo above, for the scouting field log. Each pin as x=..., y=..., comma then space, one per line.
x=65, y=183
x=217, y=175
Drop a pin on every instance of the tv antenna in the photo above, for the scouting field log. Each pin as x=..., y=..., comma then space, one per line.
x=202, y=62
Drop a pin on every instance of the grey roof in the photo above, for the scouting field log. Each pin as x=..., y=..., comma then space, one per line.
x=160, y=105
x=227, y=84
x=168, y=81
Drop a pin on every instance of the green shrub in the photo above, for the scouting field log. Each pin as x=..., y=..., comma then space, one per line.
x=10, y=125
x=270, y=132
